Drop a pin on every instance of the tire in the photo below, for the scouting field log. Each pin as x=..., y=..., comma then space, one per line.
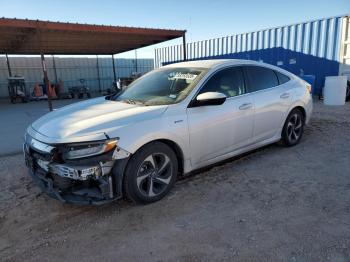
x=150, y=173
x=348, y=91
x=293, y=128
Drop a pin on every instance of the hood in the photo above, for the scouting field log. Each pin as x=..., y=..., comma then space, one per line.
x=89, y=120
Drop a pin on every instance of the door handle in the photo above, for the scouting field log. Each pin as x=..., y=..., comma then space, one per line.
x=284, y=95
x=245, y=106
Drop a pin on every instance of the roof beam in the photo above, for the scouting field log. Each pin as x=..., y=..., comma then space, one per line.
x=19, y=36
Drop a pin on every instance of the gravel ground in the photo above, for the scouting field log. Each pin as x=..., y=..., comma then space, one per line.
x=274, y=204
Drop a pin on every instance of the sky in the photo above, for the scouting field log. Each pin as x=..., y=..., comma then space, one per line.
x=203, y=19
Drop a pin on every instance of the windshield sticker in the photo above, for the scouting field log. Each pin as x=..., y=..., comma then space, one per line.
x=172, y=96
x=187, y=76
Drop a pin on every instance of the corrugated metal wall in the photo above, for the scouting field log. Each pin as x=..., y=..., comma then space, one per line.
x=345, y=49
x=70, y=70
x=297, y=48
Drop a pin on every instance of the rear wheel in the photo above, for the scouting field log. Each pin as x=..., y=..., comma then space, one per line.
x=293, y=128
x=151, y=173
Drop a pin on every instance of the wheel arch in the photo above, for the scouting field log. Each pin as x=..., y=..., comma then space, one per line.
x=294, y=106
x=299, y=106
x=284, y=140
x=177, y=150
x=302, y=109
x=174, y=146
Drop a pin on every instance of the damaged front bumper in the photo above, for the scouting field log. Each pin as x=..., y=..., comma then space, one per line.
x=92, y=181
x=84, y=196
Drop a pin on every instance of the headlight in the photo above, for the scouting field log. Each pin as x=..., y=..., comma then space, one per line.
x=90, y=149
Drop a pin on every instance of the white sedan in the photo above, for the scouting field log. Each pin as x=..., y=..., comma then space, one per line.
x=171, y=121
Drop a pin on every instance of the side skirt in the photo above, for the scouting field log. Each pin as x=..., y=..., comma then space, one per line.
x=237, y=152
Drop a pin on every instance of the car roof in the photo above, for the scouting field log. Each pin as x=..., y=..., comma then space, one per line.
x=213, y=63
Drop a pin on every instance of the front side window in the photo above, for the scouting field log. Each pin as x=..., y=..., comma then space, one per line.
x=260, y=78
x=228, y=81
x=162, y=87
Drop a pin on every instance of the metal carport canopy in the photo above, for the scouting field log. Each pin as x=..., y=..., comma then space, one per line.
x=29, y=37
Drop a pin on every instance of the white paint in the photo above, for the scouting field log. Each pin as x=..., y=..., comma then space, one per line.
x=335, y=90
x=206, y=135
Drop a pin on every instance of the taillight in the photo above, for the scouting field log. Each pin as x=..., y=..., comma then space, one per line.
x=308, y=87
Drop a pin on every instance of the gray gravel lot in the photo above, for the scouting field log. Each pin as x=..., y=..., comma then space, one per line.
x=274, y=204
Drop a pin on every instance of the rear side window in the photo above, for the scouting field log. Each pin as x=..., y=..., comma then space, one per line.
x=282, y=78
x=228, y=81
x=260, y=78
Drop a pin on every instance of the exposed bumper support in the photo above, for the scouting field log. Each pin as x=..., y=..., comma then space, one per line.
x=47, y=185
x=76, y=172
x=92, y=181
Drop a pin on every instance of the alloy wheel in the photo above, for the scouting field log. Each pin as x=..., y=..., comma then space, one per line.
x=294, y=127
x=154, y=174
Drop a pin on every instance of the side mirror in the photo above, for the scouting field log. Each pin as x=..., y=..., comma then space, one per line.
x=208, y=99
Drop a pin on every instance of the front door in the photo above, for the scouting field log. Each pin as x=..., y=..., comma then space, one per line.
x=217, y=130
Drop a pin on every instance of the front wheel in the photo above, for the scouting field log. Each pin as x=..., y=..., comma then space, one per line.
x=293, y=128
x=151, y=173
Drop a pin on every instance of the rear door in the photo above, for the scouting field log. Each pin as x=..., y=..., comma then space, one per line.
x=217, y=130
x=272, y=97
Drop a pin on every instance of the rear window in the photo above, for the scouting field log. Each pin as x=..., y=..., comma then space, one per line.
x=260, y=78
x=282, y=78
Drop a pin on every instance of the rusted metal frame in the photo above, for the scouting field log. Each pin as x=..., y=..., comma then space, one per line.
x=46, y=80
x=62, y=36
x=184, y=47
x=98, y=74
x=82, y=27
x=67, y=41
x=77, y=49
x=44, y=67
x=8, y=65
x=97, y=45
x=18, y=41
x=49, y=45
x=54, y=68
x=114, y=74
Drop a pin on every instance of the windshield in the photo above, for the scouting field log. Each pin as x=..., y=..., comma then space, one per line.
x=161, y=87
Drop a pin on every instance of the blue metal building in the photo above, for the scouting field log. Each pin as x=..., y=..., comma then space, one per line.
x=318, y=48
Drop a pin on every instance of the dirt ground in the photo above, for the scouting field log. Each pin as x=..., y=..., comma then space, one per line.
x=275, y=204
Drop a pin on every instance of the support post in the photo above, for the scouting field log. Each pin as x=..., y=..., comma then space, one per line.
x=155, y=58
x=8, y=66
x=184, y=47
x=98, y=75
x=46, y=81
x=114, y=75
x=54, y=68
x=135, y=61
